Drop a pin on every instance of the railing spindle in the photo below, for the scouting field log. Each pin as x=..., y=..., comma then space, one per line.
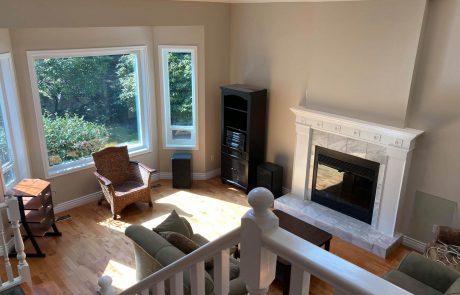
x=300, y=281
x=177, y=284
x=197, y=278
x=6, y=260
x=14, y=217
x=221, y=272
x=159, y=288
x=258, y=265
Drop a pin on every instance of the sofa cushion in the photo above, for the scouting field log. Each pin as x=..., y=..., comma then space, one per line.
x=410, y=284
x=184, y=244
x=454, y=289
x=165, y=253
x=174, y=223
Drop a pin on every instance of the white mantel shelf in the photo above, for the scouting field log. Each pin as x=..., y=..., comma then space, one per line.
x=354, y=128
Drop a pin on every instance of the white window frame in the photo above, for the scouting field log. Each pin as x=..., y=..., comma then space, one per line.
x=168, y=141
x=12, y=117
x=142, y=104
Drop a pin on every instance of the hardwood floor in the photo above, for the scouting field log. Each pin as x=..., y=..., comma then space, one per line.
x=93, y=244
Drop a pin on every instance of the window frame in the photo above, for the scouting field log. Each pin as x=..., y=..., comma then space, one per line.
x=168, y=141
x=142, y=103
x=15, y=136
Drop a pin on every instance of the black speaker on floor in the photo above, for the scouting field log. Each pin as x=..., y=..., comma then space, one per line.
x=270, y=176
x=181, y=170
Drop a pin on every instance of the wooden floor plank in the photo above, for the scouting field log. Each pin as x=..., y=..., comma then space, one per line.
x=93, y=244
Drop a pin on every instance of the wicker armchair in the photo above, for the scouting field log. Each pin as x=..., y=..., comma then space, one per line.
x=123, y=182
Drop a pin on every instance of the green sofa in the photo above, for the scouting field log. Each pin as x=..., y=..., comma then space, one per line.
x=422, y=276
x=152, y=252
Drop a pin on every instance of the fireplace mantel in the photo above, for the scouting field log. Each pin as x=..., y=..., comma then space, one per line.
x=403, y=138
x=398, y=144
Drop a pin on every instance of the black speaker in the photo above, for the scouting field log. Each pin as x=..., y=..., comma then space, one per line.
x=270, y=176
x=181, y=170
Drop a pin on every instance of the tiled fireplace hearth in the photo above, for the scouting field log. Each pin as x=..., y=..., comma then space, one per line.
x=389, y=146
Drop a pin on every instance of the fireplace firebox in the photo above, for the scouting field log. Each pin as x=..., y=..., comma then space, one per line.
x=345, y=183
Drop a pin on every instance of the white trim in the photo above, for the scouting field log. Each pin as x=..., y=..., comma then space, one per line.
x=168, y=142
x=414, y=244
x=143, y=103
x=61, y=207
x=80, y=201
x=12, y=118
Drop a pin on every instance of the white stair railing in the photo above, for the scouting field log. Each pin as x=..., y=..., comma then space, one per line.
x=261, y=242
x=12, y=209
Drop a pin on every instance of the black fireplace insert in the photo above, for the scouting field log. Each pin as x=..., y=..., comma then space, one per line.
x=345, y=183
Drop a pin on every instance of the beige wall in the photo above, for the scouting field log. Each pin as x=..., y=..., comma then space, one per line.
x=211, y=19
x=354, y=58
x=5, y=43
x=435, y=108
x=182, y=36
x=82, y=182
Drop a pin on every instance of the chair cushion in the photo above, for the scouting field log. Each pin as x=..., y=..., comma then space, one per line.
x=113, y=163
x=410, y=284
x=175, y=224
x=128, y=187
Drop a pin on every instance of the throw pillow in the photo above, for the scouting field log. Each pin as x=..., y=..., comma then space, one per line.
x=184, y=244
x=175, y=224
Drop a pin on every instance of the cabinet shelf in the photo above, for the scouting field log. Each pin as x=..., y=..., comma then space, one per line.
x=243, y=111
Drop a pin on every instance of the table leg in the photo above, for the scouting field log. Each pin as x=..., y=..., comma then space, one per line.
x=286, y=280
x=327, y=245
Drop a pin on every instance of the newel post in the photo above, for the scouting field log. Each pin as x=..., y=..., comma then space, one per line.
x=258, y=265
x=105, y=284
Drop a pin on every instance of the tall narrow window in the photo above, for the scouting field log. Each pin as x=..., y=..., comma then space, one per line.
x=179, y=91
x=87, y=100
x=13, y=154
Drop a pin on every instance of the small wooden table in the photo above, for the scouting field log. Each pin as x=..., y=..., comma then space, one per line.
x=303, y=230
x=36, y=210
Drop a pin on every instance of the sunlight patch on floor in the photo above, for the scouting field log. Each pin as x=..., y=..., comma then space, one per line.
x=209, y=217
x=116, y=225
x=123, y=276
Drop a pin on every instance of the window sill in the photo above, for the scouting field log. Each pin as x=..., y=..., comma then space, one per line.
x=60, y=171
x=181, y=147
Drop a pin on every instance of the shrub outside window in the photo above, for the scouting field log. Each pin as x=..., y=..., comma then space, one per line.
x=178, y=74
x=87, y=100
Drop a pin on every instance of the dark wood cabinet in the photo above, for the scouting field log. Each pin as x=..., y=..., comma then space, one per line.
x=243, y=131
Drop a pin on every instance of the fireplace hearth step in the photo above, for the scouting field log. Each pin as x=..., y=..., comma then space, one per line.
x=340, y=225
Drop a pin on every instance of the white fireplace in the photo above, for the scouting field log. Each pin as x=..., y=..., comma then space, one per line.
x=390, y=146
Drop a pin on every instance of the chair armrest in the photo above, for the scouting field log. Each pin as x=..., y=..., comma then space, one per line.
x=102, y=179
x=429, y=272
x=143, y=166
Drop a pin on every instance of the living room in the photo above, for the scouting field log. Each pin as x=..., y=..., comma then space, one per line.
x=389, y=63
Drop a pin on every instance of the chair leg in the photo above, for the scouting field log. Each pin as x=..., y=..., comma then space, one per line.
x=115, y=216
x=150, y=204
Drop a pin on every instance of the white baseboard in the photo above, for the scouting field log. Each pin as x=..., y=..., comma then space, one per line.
x=413, y=244
x=77, y=202
x=97, y=195
x=9, y=246
x=195, y=176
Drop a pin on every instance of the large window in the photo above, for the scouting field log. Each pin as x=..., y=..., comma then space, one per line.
x=13, y=154
x=179, y=90
x=87, y=100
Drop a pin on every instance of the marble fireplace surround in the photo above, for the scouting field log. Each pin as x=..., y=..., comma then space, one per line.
x=390, y=146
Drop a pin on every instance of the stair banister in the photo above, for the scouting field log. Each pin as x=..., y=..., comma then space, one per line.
x=258, y=265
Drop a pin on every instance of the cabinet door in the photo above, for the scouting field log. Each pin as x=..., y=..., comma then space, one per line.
x=235, y=170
